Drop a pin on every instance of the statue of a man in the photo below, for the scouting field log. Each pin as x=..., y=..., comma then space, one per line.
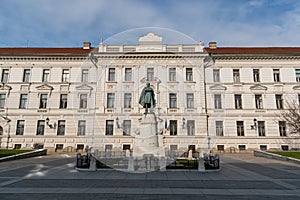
x=147, y=98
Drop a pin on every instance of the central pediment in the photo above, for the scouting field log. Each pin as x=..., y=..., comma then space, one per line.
x=150, y=43
x=149, y=39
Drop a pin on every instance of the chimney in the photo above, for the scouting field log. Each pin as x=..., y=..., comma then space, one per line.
x=212, y=45
x=86, y=45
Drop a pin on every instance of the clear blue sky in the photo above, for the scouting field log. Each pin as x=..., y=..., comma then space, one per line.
x=67, y=23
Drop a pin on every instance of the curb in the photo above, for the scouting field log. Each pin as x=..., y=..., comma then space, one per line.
x=265, y=154
x=39, y=152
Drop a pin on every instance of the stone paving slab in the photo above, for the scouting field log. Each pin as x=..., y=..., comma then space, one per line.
x=89, y=196
x=241, y=177
x=91, y=183
x=267, y=171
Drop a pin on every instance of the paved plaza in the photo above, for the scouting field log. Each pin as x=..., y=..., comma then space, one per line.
x=243, y=176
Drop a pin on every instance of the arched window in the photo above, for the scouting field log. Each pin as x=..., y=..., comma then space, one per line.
x=1, y=130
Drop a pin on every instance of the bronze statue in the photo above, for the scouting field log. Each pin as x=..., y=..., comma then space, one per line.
x=147, y=98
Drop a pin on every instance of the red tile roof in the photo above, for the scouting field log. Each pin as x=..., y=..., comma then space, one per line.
x=253, y=50
x=81, y=51
x=45, y=51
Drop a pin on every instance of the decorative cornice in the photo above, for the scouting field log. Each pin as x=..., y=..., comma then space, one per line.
x=218, y=87
x=5, y=87
x=258, y=87
x=84, y=87
x=255, y=57
x=42, y=58
x=44, y=87
x=297, y=87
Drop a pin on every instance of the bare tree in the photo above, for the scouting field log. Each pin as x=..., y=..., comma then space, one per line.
x=291, y=116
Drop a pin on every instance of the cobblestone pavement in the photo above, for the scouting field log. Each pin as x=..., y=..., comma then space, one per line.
x=243, y=176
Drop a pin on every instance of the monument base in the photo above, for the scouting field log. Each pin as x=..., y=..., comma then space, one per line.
x=147, y=141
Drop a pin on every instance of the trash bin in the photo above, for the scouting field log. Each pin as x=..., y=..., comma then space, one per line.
x=78, y=160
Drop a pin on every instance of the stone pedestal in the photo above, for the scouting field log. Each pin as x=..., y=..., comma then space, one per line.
x=201, y=167
x=147, y=141
x=190, y=155
x=162, y=164
x=131, y=164
x=93, y=162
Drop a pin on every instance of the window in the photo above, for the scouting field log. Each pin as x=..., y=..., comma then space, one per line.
x=63, y=103
x=258, y=101
x=282, y=128
x=261, y=128
x=40, y=127
x=220, y=147
x=17, y=146
x=109, y=130
x=299, y=99
x=43, y=100
x=297, y=75
x=263, y=147
x=150, y=74
x=238, y=101
x=236, y=75
x=172, y=74
x=192, y=147
x=2, y=100
x=84, y=75
x=240, y=128
x=276, y=75
x=111, y=74
x=108, y=147
x=189, y=74
x=173, y=148
x=284, y=147
x=110, y=100
x=173, y=100
x=61, y=127
x=126, y=127
x=190, y=127
x=126, y=147
x=46, y=75
x=59, y=147
x=219, y=128
x=83, y=101
x=79, y=146
x=173, y=127
x=190, y=100
x=65, y=75
x=23, y=101
x=81, y=127
x=5, y=73
x=242, y=147
x=128, y=74
x=127, y=100
x=216, y=75
x=20, y=127
x=256, y=77
x=279, y=101
x=26, y=75
x=38, y=146
x=218, y=101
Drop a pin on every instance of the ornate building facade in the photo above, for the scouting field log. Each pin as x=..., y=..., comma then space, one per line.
x=206, y=97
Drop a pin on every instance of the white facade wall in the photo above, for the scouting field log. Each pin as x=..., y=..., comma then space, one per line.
x=247, y=88
x=96, y=89
x=139, y=59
